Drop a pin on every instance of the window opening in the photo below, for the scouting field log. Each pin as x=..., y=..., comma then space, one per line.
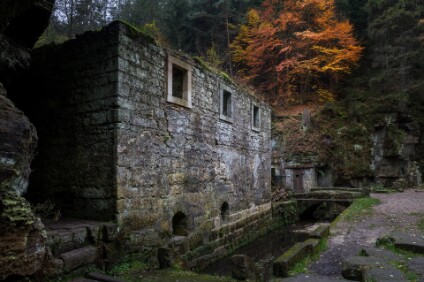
x=179, y=82
x=255, y=118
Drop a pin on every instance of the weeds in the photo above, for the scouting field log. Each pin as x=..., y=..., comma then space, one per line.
x=359, y=208
x=302, y=266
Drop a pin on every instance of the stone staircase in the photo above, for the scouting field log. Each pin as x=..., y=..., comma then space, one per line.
x=74, y=244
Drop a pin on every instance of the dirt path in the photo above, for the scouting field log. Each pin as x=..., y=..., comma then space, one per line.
x=397, y=211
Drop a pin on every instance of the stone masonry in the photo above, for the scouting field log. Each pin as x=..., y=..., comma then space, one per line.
x=113, y=148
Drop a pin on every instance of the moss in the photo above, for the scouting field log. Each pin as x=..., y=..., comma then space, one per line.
x=137, y=32
x=287, y=211
x=15, y=209
x=303, y=264
x=393, y=141
x=202, y=63
x=226, y=76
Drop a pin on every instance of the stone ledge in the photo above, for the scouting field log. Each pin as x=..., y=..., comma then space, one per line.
x=353, y=267
x=322, y=231
x=288, y=259
x=79, y=257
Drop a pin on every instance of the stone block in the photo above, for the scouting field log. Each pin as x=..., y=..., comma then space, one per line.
x=297, y=252
x=79, y=257
x=416, y=265
x=382, y=275
x=353, y=267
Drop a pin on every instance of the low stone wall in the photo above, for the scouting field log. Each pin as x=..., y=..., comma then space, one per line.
x=225, y=239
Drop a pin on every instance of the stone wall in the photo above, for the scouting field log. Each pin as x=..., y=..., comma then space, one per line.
x=309, y=178
x=72, y=100
x=177, y=159
x=111, y=145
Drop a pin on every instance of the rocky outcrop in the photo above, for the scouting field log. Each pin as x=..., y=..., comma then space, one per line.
x=18, y=142
x=21, y=24
x=22, y=235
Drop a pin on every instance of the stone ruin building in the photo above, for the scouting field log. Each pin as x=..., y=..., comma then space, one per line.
x=173, y=153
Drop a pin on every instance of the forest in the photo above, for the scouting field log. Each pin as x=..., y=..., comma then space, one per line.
x=291, y=51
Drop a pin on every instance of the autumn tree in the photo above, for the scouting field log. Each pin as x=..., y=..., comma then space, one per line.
x=295, y=49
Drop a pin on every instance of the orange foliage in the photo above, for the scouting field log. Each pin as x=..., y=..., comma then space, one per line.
x=295, y=47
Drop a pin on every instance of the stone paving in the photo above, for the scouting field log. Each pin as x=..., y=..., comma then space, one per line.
x=398, y=212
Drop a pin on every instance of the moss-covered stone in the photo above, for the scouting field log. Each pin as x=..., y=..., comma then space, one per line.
x=286, y=212
x=288, y=259
x=22, y=237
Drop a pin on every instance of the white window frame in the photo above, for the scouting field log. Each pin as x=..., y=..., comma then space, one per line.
x=254, y=128
x=226, y=118
x=187, y=85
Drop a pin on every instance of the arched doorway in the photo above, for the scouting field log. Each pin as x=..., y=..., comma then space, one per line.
x=225, y=211
x=180, y=224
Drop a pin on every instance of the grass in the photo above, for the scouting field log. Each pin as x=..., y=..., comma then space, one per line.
x=360, y=207
x=125, y=269
x=302, y=266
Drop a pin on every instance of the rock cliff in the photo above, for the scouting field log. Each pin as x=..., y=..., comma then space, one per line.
x=22, y=235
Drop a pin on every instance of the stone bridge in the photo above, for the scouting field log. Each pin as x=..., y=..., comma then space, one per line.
x=326, y=203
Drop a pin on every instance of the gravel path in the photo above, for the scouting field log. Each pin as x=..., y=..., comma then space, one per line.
x=397, y=211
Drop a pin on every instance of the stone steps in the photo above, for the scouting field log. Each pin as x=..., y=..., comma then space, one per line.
x=75, y=243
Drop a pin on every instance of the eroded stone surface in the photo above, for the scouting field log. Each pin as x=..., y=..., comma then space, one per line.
x=22, y=237
x=353, y=267
x=243, y=268
x=79, y=257
x=416, y=265
x=382, y=275
x=21, y=23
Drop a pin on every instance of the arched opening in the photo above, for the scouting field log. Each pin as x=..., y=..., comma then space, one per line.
x=225, y=211
x=180, y=224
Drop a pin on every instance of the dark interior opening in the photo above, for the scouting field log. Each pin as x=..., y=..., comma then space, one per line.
x=226, y=104
x=324, y=211
x=178, y=75
x=180, y=224
x=225, y=211
x=255, y=116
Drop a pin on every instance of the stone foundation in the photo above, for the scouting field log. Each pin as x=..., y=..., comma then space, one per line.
x=224, y=239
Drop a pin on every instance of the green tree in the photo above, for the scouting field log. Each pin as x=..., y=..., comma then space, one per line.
x=396, y=52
